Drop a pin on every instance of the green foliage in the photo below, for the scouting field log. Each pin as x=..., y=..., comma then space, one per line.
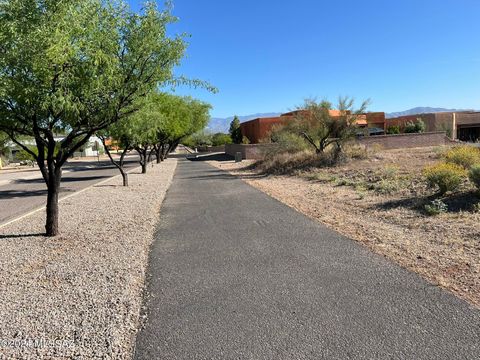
x=465, y=156
x=444, y=176
x=436, y=207
x=474, y=175
x=162, y=119
x=23, y=155
x=394, y=129
x=221, y=139
x=79, y=67
x=4, y=139
x=200, y=138
x=235, y=131
x=415, y=127
x=316, y=124
x=287, y=141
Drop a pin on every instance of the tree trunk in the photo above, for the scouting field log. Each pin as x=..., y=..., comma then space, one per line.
x=158, y=150
x=53, y=187
x=124, y=177
x=144, y=167
x=119, y=164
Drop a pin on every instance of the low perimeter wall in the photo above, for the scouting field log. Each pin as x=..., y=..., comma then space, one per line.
x=387, y=142
x=249, y=151
x=220, y=148
x=405, y=141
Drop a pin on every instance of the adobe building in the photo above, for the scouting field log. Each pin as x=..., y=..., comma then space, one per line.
x=257, y=129
x=462, y=125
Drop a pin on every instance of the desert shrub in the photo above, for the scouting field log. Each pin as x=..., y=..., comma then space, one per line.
x=474, y=175
x=286, y=141
x=464, y=156
x=415, y=127
x=444, y=176
x=394, y=129
x=356, y=151
x=385, y=186
x=436, y=207
x=476, y=208
x=288, y=163
x=390, y=172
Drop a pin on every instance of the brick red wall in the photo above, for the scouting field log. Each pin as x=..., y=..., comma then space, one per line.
x=404, y=141
x=258, y=129
x=376, y=119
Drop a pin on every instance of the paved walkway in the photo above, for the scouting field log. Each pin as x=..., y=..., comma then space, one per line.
x=235, y=274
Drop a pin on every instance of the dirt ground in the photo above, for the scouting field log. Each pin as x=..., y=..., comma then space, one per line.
x=380, y=202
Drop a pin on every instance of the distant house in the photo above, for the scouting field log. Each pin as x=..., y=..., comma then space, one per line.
x=93, y=147
x=257, y=129
x=461, y=125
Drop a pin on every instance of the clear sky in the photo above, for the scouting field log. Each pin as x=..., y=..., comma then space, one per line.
x=269, y=55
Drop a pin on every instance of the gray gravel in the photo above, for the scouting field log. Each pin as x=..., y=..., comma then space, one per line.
x=78, y=296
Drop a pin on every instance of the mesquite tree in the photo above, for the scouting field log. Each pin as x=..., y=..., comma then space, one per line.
x=79, y=66
x=179, y=117
x=322, y=127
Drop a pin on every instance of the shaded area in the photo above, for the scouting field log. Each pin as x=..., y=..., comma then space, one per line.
x=456, y=202
x=17, y=236
x=210, y=157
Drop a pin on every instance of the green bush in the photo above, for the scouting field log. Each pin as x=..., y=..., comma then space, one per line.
x=464, y=156
x=436, y=207
x=415, y=127
x=474, y=175
x=445, y=176
x=287, y=142
x=219, y=139
x=394, y=129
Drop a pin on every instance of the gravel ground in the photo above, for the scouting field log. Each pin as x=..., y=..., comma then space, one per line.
x=78, y=296
x=444, y=249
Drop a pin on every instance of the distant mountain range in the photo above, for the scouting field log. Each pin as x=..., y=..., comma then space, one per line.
x=223, y=124
x=419, y=110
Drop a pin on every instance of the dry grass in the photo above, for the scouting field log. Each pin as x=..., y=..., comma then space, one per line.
x=379, y=201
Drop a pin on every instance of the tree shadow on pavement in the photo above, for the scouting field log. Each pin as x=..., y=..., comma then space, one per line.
x=209, y=157
x=18, y=236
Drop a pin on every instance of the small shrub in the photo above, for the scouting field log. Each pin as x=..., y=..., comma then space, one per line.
x=390, y=172
x=245, y=140
x=287, y=142
x=444, y=176
x=386, y=186
x=476, y=208
x=393, y=130
x=287, y=163
x=465, y=156
x=436, y=207
x=474, y=175
x=357, y=152
x=415, y=127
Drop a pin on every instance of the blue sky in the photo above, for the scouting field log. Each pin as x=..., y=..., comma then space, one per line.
x=267, y=56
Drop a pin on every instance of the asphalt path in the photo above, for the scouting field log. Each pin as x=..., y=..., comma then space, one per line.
x=22, y=195
x=235, y=274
